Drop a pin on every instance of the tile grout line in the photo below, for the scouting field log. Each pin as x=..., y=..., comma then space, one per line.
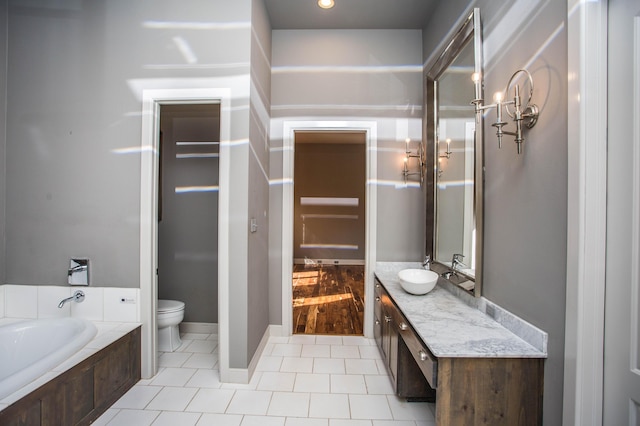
x=343, y=364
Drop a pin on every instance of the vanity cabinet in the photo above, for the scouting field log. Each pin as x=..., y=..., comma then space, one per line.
x=394, y=338
x=480, y=389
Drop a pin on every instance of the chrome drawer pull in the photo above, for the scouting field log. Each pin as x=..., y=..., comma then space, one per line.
x=403, y=326
x=423, y=355
x=387, y=319
x=377, y=298
x=377, y=322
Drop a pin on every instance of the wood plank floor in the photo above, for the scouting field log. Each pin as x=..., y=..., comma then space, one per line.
x=328, y=299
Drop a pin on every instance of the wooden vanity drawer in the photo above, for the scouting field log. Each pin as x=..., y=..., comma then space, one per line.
x=427, y=362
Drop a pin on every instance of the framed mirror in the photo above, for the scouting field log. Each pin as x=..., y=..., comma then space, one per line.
x=454, y=158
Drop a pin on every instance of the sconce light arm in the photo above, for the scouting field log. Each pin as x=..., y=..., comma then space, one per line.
x=517, y=90
x=523, y=113
x=420, y=155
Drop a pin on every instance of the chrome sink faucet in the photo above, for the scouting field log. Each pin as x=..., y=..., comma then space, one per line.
x=427, y=262
x=456, y=262
x=77, y=297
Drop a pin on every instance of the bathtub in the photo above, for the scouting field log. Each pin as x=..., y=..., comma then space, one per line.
x=28, y=349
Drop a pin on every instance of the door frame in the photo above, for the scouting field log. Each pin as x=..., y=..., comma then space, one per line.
x=288, y=142
x=586, y=211
x=149, y=149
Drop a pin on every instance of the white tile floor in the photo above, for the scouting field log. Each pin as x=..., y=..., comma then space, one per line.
x=299, y=381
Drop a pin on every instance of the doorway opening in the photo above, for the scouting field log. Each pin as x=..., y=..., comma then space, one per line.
x=188, y=181
x=329, y=232
x=290, y=128
x=153, y=99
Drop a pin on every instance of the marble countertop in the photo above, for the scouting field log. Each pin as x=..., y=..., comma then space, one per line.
x=451, y=328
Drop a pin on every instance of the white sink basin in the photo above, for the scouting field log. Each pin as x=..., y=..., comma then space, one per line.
x=417, y=281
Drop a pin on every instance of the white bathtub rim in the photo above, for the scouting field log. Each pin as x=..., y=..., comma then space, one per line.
x=19, y=379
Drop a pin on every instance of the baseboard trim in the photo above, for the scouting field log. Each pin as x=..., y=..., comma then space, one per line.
x=237, y=376
x=277, y=331
x=199, y=327
x=244, y=375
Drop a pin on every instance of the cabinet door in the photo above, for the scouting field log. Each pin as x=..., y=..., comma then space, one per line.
x=377, y=331
x=377, y=315
x=490, y=391
x=389, y=336
x=393, y=347
x=386, y=321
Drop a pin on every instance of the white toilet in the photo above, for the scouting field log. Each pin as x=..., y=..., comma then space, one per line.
x=170, y=315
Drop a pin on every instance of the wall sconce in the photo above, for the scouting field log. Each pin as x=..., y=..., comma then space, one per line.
x=526, y=113
x=418, y=154
x=447, y=153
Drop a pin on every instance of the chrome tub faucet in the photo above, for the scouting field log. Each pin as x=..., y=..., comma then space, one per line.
x=78, y=296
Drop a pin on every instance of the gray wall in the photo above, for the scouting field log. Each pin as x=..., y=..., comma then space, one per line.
x=526, y=195
x=74, y=100
x=257, y=297
x=372, y=75
x=3, y=127
x=76, y=74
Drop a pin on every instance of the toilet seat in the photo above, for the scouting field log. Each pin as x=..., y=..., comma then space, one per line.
x=169, y=306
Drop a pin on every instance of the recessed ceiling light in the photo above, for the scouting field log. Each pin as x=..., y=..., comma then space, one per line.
x=326, y=4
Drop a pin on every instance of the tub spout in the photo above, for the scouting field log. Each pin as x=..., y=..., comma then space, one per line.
x=77, y=297
x=77, y=268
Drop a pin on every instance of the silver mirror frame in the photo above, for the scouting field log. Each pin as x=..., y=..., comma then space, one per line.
x=470, y=28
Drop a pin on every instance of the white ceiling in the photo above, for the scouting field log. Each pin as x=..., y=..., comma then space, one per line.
x=349, y=14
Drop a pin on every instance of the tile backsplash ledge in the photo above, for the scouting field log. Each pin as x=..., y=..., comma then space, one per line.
x=521, y=328
x=108, y=304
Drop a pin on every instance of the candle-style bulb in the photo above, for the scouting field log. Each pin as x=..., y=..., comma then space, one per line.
x=475, y=77
x=497, y=97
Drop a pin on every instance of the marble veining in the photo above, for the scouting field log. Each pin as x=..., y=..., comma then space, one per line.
x=452, y=327
x=526, y=331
